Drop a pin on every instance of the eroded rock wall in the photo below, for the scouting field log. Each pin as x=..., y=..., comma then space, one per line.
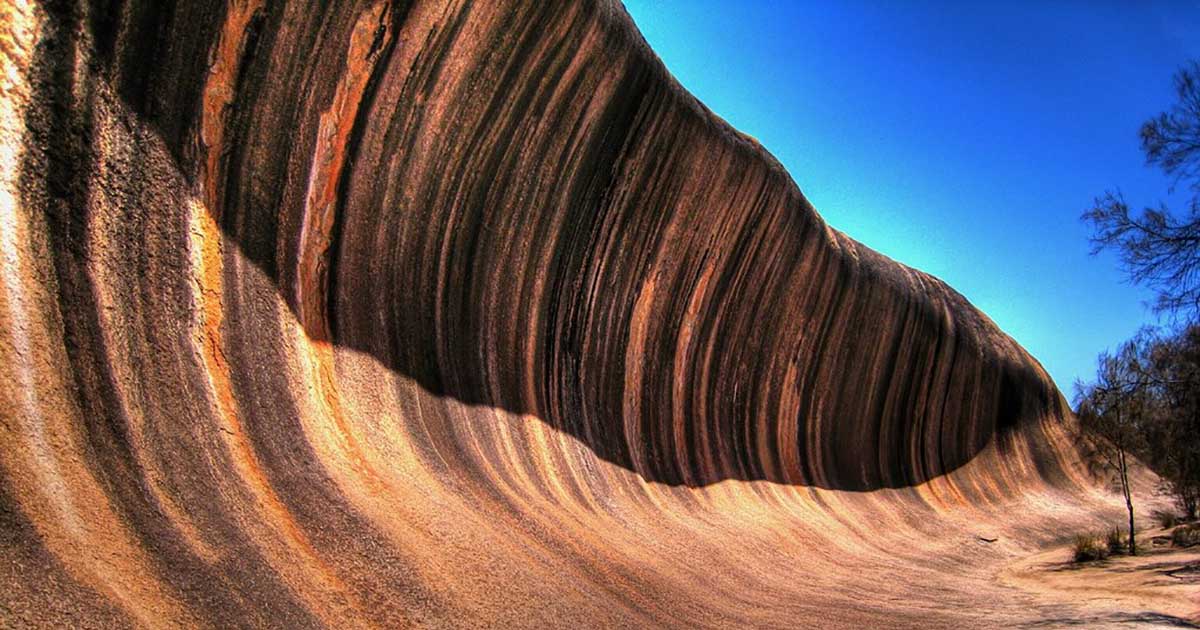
x=462, y=313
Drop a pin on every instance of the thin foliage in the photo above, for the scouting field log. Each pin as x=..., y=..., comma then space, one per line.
x=1160, y=248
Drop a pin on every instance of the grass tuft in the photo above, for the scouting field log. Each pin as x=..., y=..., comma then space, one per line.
x=1117, y=541
x=1089, y=547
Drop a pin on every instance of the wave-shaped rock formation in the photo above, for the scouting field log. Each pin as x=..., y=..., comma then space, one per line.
x=452, y=313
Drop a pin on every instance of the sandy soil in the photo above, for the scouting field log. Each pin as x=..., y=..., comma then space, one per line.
x=1158, y=588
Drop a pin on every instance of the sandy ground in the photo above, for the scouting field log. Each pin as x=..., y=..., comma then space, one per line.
x=1158, y=588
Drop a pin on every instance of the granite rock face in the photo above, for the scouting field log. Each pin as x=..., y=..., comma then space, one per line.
x=465, y=313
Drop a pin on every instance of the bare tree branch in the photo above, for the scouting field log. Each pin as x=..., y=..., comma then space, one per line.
x=1159, y=248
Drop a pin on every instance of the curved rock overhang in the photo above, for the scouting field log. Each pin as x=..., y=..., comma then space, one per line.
x=391, y=312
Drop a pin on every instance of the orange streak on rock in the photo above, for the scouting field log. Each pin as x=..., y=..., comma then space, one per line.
x=634, y=352
x=684, y=354
x=206, y=238
x=371, y=35
x=336, y=125
x=319, y=361
x=220, y=90
x=219, y=93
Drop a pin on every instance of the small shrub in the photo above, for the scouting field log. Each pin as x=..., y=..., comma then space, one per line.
x=1089, y=547
x=1116, y=541
x=1186, y=535
x=1187, y=497
x=1166, y=520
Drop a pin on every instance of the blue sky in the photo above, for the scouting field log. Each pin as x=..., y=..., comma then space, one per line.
x=961, y=138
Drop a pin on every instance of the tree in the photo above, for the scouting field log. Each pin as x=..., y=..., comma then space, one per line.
x=1172, y=375
x=1157, y=247
x=1114, y=410
x=1146, y=399
x=1146, y=403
